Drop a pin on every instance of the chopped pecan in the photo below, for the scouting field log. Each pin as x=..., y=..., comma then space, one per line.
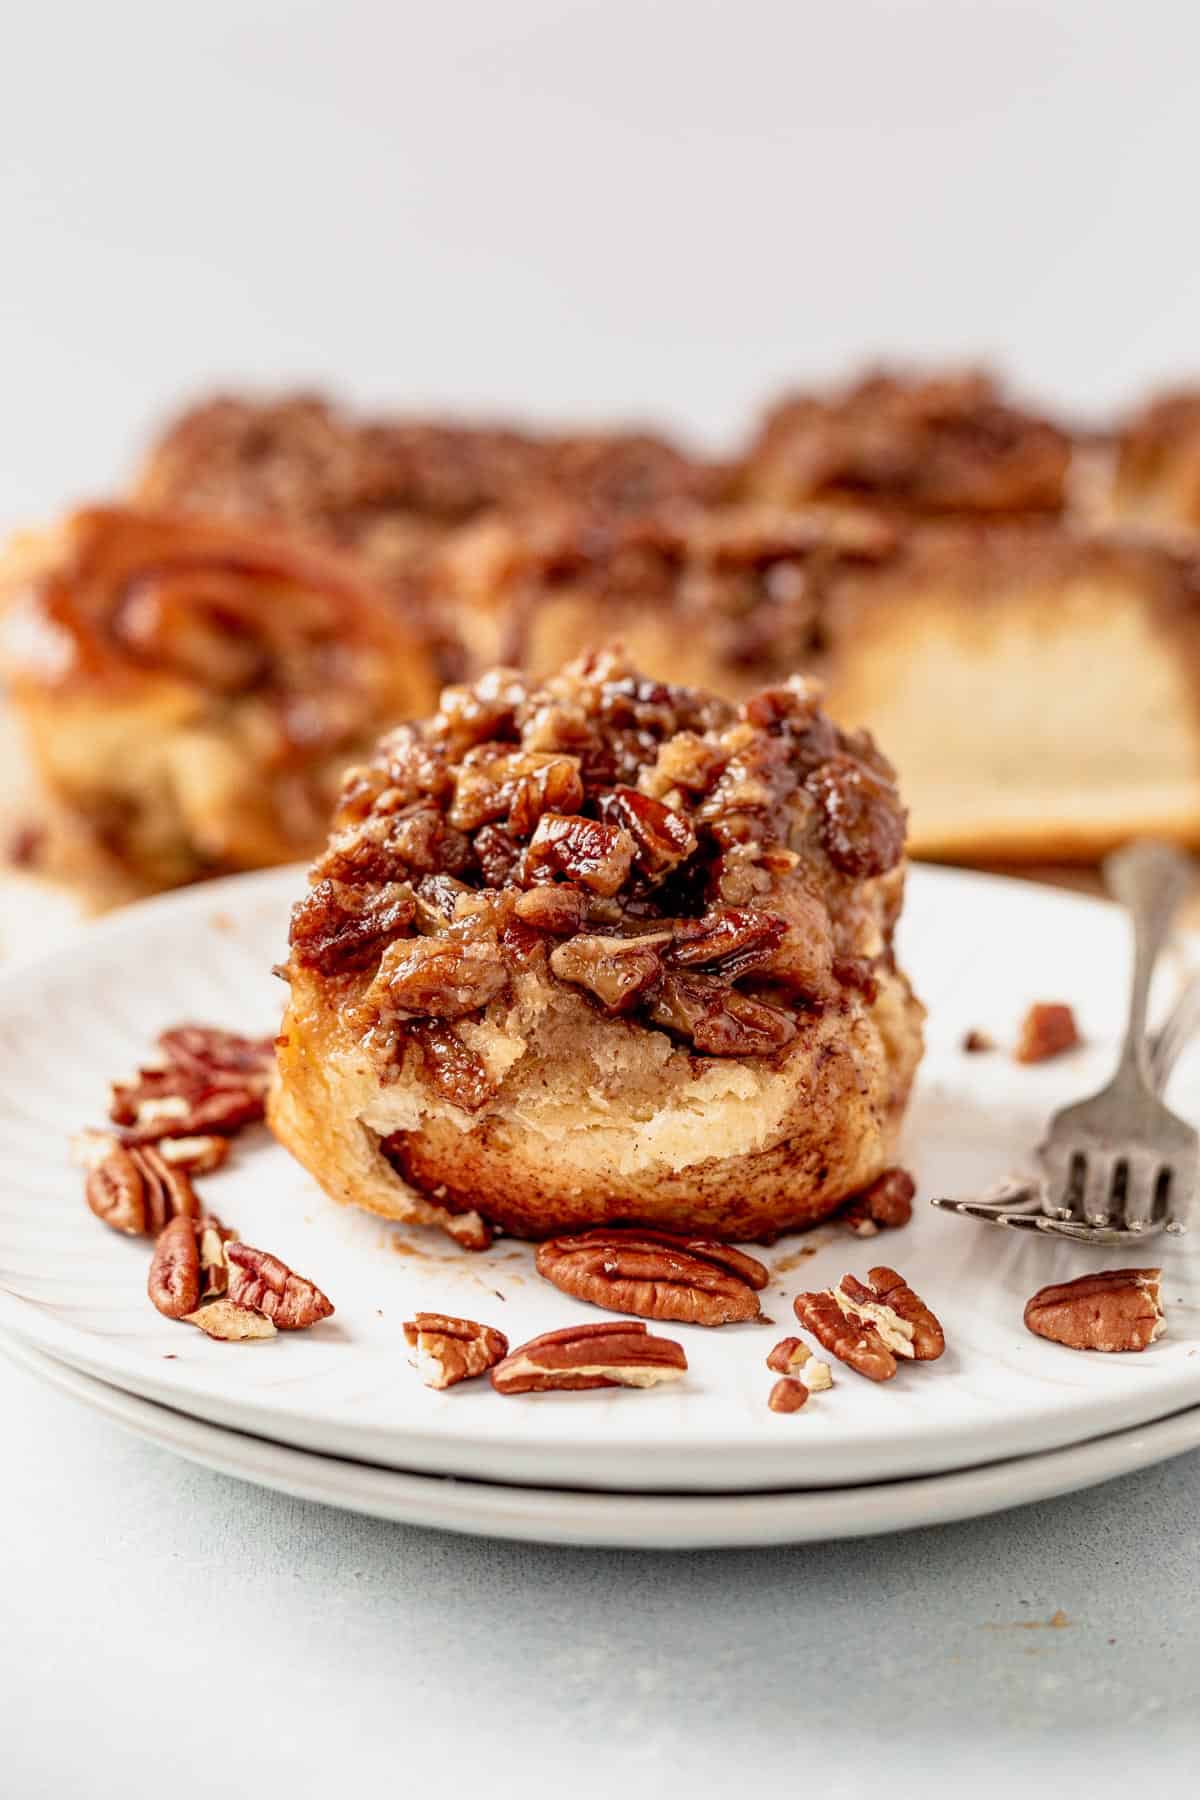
x=787, y=1396
x=219, y=1055
x=442, y=977
x=195, y=1155
x=260, y=1281
x=664, y=838
x=1118, y=1309
x=450, y=1350
x=976, y=1042
x=208, y=1081
x=731, y=941
x=718, y=1019
x=617, y=970
x=884, y=1206
x=560, y=911
x=862, y=820
x=789, y=1355
x=590, y=1356
x=188, y=1265
x=131, y=1187
x=451, y=1069
x=587, y=851
x=852, y=1342
x=655, y=1274
x=554, y=786
x=232, y=1323
x=497, y=852
x=1048, y=1029
x=336, y=928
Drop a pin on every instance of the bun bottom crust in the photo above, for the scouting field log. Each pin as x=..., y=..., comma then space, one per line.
x=599, y=1121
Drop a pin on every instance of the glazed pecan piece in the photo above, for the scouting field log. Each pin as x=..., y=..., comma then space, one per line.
x=664, y=838
x=862, y=820
x=450, y=1068
x=559, y=911
x=730, y=941
x=450, y=1350
x=263, y=1284
x=336, y=928
x=441, y=977
x=188, y=1266
x=1118, y=1309
x=616, y=970
x=132, y=1187
x=655, y=1274
x=884, y=1206
x=718, y=1019
x=590, y=1356
x=589, y=852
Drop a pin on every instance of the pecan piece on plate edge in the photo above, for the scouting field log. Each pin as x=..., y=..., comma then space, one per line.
x=264, y=1284
x=655, y=1274
x=188, y=1266
x=450, y=1350
x=1117, y=1309
x=788, y=1395
x=204, y=1082
x=590, y=1356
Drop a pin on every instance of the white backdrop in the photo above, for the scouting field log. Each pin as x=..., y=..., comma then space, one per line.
x=591, y=208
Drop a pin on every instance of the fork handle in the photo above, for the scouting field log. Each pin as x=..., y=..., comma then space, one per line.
x=1151, y=880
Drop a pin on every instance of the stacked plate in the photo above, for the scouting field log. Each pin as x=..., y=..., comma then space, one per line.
x=337, y=1414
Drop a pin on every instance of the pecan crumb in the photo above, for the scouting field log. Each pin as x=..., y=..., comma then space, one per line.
x=787, y=1396
x=977, y=1043
x=1118, y=1309
x=1048, y=1029
x=232, y=1323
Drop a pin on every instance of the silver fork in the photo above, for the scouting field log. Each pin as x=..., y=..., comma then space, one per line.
x=1119, y=1167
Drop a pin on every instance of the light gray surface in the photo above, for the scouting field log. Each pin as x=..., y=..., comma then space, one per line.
x=163, y=1624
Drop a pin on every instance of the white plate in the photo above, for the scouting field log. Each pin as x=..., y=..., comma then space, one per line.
x=634, y=1521
x=979, y=950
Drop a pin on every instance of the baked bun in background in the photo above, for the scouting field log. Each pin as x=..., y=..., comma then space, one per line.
x=192, y=690
x=603, y=949
x=921, y=445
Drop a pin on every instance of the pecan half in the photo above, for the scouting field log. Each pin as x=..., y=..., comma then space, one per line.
x=862, y=820
x=733, y=941
x=859, y=1346
x=260, y=1281
x=884, y=1206
x=188, y=1265
x=1118, y=1309
x=901, y=1318
x=787, y=1396
x=451, y=1350
x=131, y=1187
x=590, y=1356
x=655, y=1274
x=587, y=851
x=1048, y=1029
x=232, y=1323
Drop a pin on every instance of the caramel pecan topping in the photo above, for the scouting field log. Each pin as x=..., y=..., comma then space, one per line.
x=451, y=1350
x=1118, y=1309
x=655, y=1274
x=787, y=1396
x=451, y=1069
x=590, y=1356
x=131, y=1187
x=1048, y=1029
x=670, y=857
x=884, y=1206
x=263, y=1284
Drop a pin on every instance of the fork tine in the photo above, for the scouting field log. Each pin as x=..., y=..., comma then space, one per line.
x=1098, y=1189
x=1142, y=1197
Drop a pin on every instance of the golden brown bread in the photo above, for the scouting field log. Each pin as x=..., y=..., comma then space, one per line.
x=191, y=690
x=603, y=949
